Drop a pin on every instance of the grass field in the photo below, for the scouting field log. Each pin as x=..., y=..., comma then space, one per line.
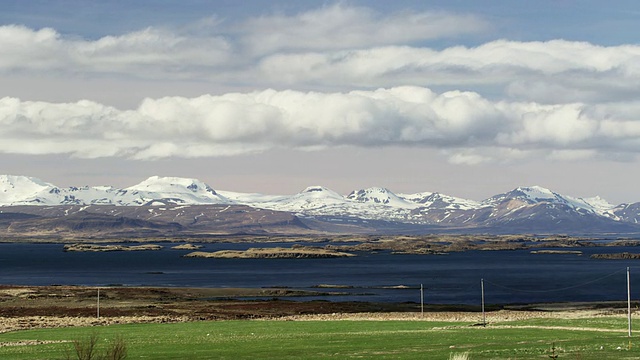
x=595, y=338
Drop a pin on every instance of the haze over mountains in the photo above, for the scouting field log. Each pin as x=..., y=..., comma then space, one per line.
x=163, y=206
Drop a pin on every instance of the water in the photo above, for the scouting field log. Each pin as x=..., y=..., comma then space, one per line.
x=510, y=276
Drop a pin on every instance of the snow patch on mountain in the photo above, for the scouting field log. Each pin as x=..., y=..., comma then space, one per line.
x=440, y=201
x=600, y=206
x=23, y=190
x=159, y=184
x=249, y=198
x=173, y=190
x=380, y=196
x=311, y=198
x=321, y=201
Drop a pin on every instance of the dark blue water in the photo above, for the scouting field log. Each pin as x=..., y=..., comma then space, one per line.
x=509, y=276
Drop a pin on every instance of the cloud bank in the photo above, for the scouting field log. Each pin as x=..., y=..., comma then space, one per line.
x=348, y=27
x=470, y=128
x=196, y=50
x=501, y=100
x=553, y=71
x=308, y=56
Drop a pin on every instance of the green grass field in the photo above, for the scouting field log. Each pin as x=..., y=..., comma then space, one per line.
x=597, y=338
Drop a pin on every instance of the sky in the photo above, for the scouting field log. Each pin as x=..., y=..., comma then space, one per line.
x=463, y=97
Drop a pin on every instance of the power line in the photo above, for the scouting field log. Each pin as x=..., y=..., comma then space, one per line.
x=554, y=290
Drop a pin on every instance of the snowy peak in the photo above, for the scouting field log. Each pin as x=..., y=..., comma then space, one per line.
x=537, y=194
x=440, y=201
x=379, y=196
x=316, y=189
x=23, y=189
x=307, y=201
x=417, y=197
x=22, y=184
x=159, y=184
x=534, y=195
x=529, y=195
x=172, y=190
x=319, y=192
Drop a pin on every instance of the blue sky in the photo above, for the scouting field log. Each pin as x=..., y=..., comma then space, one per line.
x=608, y=23
x=468, y=98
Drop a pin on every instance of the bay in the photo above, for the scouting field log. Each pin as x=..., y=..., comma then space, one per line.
x=509, y=276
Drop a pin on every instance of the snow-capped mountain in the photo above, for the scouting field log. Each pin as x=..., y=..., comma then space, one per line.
x=527, y=196
x=628, y=212
x=380, y=196
x=320, y=201
x=21, y=190
x=524, y=209
x=440, y=201
x=162, y=190
x=311, y=198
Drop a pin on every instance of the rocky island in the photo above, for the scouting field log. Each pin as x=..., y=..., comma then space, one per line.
x=187, y=247
x=100, y=248
x=557, y=252
x=616, y=256
x=272, y=253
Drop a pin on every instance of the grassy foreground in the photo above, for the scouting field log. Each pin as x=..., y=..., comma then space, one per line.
x=596, y=338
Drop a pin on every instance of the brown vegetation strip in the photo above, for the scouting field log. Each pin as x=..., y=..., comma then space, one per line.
x=31, y=342
x=8, y=324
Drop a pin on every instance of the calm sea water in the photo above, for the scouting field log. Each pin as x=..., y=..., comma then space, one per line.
x=509, y=276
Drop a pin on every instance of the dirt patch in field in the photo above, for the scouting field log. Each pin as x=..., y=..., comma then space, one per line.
x=37, y=322
x=457, y=316
x=20, y=292
x=30, y=342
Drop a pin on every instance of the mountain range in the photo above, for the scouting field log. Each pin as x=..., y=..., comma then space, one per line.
x=171, y=206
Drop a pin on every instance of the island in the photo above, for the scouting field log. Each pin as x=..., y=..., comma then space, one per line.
x=558, y=252
x=186, y=247
x=101, y=248
x=272, y=253
x=616, y=256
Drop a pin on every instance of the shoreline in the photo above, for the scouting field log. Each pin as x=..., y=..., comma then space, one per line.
x=328, y=246
x=32, y=307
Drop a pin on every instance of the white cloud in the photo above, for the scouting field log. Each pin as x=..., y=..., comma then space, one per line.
x=149, y=53
x=23, y=48
x=554, y=71
x=202, y=48
x=468, y=158
x=470, y=128
x=332, y=48
x=347, y=27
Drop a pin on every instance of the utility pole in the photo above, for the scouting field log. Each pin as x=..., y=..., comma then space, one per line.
x=629, y=300
x=421, y=300
x=98, y=307
x=484, y=318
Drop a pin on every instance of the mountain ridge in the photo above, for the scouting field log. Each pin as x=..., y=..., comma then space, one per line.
x=523, y=209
